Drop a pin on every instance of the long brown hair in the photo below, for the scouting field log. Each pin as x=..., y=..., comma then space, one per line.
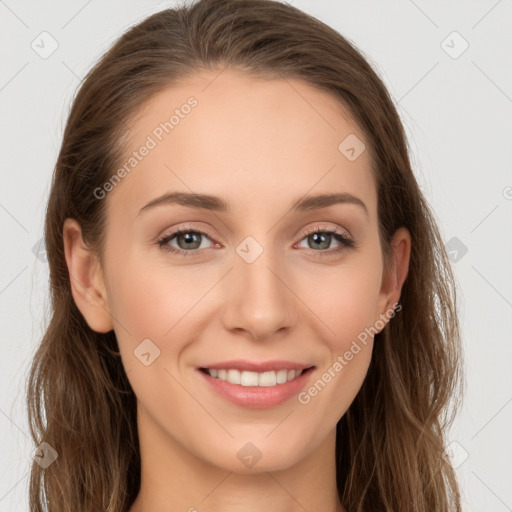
x=390, y=444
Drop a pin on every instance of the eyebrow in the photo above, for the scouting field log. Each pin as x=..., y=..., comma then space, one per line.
x=214, y=203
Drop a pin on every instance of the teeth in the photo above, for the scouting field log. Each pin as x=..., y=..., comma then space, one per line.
x=254, y=378
x=233, y=376
x=282, y=376
x=248, y=378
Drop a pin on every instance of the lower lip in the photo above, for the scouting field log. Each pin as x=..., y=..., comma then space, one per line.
x=258, y=397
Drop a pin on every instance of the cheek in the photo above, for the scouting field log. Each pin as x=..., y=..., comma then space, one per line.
x=149, y=299
x=343, y=298
x=344, y=301
x=165, y=304
x=150, y=304
x=345, y=311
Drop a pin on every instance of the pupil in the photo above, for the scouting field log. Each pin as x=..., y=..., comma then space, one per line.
x=316, y=237
x=189, y=237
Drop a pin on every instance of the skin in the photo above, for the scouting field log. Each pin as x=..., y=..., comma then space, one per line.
x=259, y=145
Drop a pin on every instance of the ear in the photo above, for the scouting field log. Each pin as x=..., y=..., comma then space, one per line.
x=393, y=278
x=86, y=279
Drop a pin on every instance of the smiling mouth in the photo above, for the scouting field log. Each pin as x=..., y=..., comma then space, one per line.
x=255, y=379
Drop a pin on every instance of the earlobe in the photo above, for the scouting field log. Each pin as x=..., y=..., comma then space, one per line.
x=86, y=279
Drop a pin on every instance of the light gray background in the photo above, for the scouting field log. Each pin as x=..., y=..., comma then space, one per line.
x=457, y=113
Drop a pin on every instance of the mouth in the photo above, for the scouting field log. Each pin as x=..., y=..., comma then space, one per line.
x=256, y=390
x=255, y=379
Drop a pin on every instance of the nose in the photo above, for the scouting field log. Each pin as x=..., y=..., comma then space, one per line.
x=259, y=298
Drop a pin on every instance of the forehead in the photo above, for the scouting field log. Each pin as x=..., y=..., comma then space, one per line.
x=230, y=134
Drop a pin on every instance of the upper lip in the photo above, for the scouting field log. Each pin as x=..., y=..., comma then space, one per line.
x=258, y=366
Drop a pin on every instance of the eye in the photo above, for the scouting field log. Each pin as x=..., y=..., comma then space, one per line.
x=322, y=238
x=187, y=239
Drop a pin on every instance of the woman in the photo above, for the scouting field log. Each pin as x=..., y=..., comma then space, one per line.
x=252, y=304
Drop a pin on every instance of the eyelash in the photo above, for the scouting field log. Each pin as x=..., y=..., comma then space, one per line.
x=346, y=242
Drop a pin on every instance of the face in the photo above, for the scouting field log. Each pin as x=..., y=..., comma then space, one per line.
x=258, y=273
